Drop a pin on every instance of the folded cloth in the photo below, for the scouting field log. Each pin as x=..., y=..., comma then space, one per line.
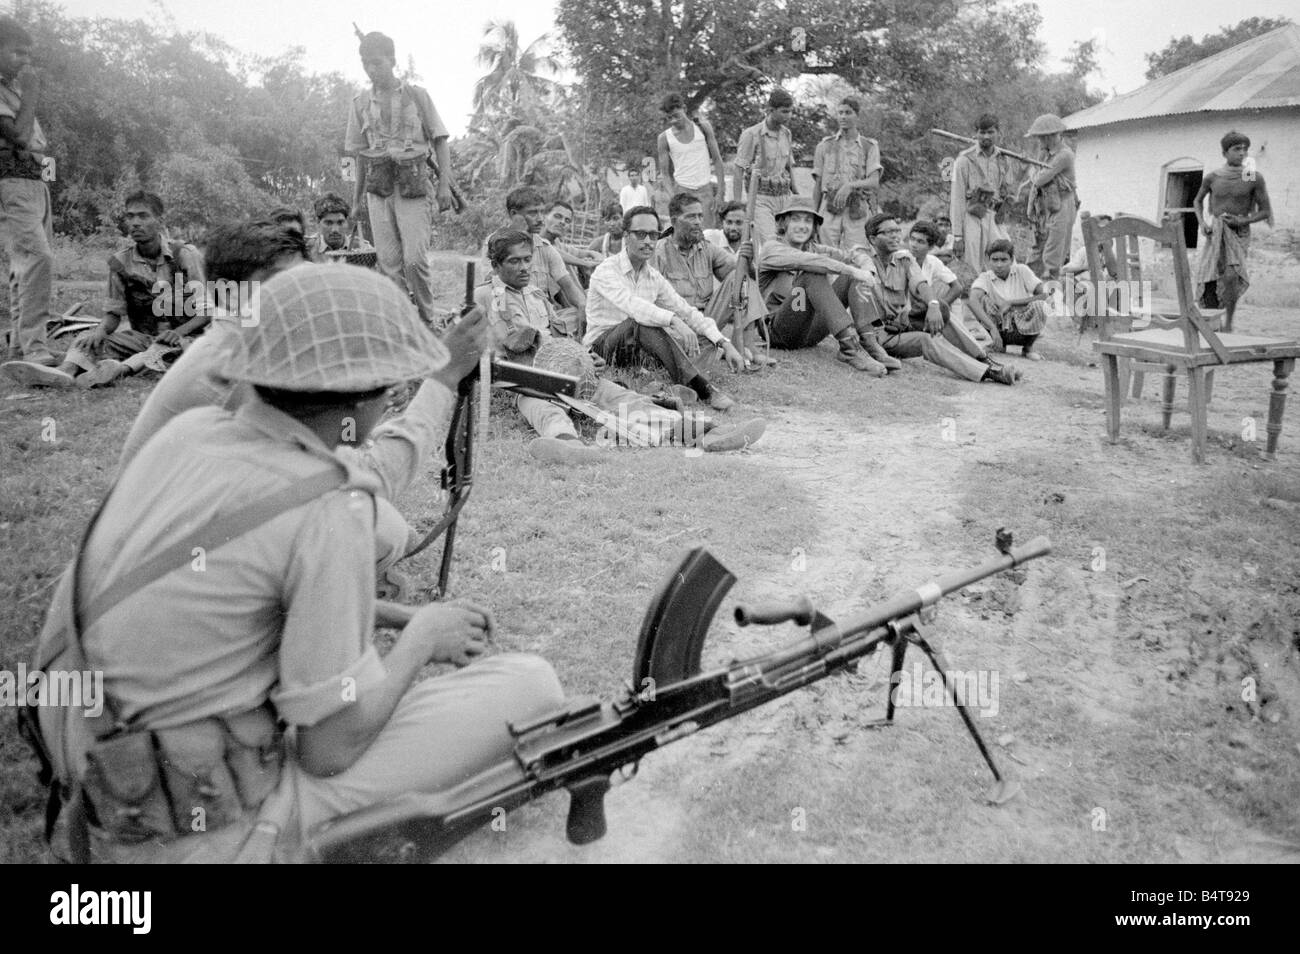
x=1223, y=254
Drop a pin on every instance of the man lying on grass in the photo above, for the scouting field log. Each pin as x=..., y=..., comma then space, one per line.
x=156, y=286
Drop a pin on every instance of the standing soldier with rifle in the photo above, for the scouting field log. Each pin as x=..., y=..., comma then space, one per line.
x=981, y=181
x=392, y=129
x=1053, y=198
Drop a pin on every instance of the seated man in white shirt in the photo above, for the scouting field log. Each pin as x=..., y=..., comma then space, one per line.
x=923, y=242
x=631, y=307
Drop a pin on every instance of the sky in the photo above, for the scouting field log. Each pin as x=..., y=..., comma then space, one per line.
x=443, y=36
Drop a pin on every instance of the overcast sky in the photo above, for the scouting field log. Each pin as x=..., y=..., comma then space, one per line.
x=443, y=36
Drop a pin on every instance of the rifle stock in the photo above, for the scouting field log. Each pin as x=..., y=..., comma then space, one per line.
x=582, y=745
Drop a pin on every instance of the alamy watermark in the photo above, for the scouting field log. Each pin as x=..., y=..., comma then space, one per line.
x=924, y=688
x=1083, y=298
x=56, y=688
x=219, y=296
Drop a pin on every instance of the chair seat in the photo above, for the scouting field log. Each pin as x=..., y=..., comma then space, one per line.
x=1160, y=343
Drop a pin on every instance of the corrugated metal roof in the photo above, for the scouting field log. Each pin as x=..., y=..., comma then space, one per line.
x=1258, y=74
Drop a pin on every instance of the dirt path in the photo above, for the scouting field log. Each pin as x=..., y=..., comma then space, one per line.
x=890, y=502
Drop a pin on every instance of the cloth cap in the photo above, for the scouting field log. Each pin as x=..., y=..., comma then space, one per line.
x=567, y=356
x=1045, y=125
x=800, y=204
x=333, y=328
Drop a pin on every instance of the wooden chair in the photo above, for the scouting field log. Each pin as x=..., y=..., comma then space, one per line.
x=1178, y=337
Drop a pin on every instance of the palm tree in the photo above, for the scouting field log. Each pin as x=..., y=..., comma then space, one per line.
x=515, y=76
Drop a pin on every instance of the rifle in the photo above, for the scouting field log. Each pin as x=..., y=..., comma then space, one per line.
x=580, y=746
x=740, y=304
x=975, y=142
x=458, y=473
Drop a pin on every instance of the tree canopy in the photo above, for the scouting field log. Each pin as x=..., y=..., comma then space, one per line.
x=1184, y=51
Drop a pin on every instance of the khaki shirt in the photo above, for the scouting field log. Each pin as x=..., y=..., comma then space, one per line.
x=772, y=152
x=512, y=313
x=693, y=273
x=284, y=612
x=837, y=160
x=410, y=113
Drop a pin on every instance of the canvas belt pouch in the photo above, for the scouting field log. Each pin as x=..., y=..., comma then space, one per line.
x=412, y=178
x=979, y=201
x=773, y=185
x=521, y=341
x=1051, y=194
x=164, y=784
x=381, y=177
x=15, y=166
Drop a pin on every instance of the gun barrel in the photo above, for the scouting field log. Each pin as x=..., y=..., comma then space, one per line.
x=931, y=592
x=1019, y=157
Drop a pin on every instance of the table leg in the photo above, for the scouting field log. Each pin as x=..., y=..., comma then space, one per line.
x=1277, y=404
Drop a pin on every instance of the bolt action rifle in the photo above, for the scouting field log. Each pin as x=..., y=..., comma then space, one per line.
x=458, y=472
x=1019, y=157
x=591, y=743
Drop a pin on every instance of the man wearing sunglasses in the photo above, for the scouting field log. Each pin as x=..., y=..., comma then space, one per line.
x=631, y=308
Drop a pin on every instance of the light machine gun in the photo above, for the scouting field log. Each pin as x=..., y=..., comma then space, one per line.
x=591, y=742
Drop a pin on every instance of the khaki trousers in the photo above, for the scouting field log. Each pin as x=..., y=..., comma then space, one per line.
x=401, y=229
x=26, y=225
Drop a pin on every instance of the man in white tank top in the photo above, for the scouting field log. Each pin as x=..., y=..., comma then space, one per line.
x=689, y=157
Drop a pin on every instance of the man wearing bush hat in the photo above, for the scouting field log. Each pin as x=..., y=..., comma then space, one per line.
x=273, y=628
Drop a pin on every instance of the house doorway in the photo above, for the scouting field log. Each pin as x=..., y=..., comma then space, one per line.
x=1180, y=180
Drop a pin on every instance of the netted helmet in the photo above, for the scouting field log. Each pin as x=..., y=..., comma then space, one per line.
x=1045, y=125
x=333, y=328
x=567, y=356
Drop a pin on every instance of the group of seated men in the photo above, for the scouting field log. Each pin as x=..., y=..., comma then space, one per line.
x=159, y=296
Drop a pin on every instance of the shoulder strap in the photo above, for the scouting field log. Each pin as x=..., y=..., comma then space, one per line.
x=216, y=533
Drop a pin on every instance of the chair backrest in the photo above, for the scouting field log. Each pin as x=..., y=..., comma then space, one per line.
x=1120, y=240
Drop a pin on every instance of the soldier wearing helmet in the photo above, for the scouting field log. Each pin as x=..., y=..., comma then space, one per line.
x=1053, y=197
x=244, y=702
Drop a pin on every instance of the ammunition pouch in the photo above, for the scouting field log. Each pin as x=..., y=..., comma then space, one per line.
x=156, y=786
x=381, y=177
x=773, y=185
x=1051, y=197
x=980, y=201
x=18, y=165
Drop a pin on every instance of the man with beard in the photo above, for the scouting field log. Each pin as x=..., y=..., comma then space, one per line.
x=732, y=217
x=981, y=177
x=704, y=274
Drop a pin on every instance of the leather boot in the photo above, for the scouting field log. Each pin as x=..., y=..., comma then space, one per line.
x=871, y=345
x=851, y=353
